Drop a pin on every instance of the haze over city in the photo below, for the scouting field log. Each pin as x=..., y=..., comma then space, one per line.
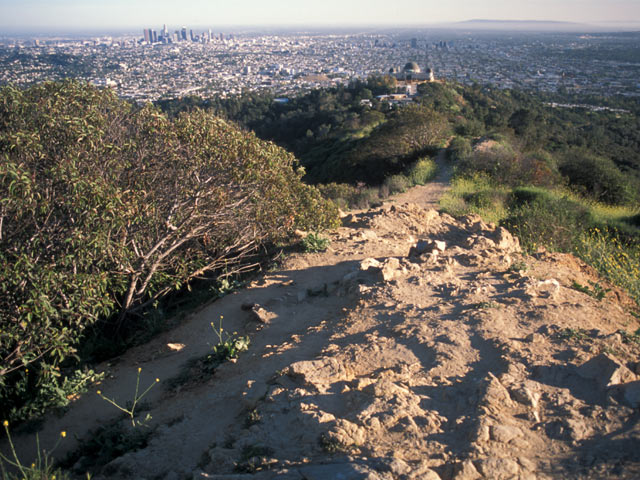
x=82, y=15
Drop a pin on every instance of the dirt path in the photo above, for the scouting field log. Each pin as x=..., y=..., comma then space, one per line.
x=428, y=196
x=416, y=347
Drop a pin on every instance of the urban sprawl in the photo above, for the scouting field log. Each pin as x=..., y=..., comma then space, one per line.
x=172, y=63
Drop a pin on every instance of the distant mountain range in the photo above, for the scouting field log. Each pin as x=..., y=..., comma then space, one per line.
x=530, y=25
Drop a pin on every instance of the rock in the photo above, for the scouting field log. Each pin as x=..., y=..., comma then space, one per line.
x=577, y=429
x=390, y=269
x=338, y=471
x=606, y=370
x=427, y=246
x=534, y=338
x=369, y=264
x=262, y=315
x=632, y=394
x=496, y=397
x=504, y=433
x=498, y=468
x=399, y=467
x=431, y=214
x=425, y=474
x=419, y=248
x=467, y=471
x=505, y=241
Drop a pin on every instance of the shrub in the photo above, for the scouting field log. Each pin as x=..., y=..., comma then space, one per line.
x=107, y=207
x=598, y=177
x=397, y=184
x=539, y=218
x=459, y=149
x=616, y=260
x=422, y=171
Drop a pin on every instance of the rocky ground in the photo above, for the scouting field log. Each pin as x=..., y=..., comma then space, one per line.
x=417, y=347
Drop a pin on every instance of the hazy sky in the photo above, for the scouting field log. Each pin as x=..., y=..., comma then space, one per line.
x=105, y=14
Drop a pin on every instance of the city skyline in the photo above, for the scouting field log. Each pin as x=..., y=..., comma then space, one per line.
x=74, y=15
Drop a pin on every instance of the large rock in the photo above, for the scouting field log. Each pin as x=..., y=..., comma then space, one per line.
x=632, y=394
x=606, y=370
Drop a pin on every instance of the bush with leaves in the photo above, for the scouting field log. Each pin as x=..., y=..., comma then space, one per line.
x=106, y=207
x=598, y=177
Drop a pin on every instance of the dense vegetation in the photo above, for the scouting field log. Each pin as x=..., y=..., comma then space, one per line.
x=106, y=207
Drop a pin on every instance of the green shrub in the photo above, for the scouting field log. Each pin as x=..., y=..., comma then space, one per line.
x=598, y=177
x=422, y=171
x=397, y=184
x=107, y=207
x=616, y=260
x=459, y=149
x=539, y=218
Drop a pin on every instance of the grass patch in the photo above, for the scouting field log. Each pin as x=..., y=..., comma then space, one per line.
x=478, y=195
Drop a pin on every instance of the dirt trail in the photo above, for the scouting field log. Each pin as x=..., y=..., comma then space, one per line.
x=428, y=196
x=417, y=347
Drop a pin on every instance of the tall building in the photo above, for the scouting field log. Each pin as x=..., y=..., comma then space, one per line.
x=165, y=32
x=146, y=35
x=193, y=39
x=184, y=33
x=154, y=37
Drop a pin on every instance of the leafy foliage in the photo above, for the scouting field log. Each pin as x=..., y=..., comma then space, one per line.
x=106, y=207
x=314, y=242
x=598, y=177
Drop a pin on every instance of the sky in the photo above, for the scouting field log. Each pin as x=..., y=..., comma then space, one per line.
x=106, y=14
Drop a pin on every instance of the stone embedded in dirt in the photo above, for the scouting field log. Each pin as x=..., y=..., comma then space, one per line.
x=391, y=269
x=632, y=394
x=318, y=372
x=505, y=241
x=467, y=471
x=498, y=468
x=496, y=396
x=427, y=246
x=606, y=370
x=369, y=264
x=576, y=428
x=504, y=433
x=338, y=471
x=399, y=467
x=262, y=315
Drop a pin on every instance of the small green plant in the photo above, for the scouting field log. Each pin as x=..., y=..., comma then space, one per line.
x=333, y=445
x=485, y=305
x=41, y=468
x=229, y=346
x=314, y=242
x=252, y=417
x=520, y=266
x=575, y=334
x=130, y=409
x=596, y=290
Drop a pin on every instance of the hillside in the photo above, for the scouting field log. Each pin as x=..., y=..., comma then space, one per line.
x=417, y=346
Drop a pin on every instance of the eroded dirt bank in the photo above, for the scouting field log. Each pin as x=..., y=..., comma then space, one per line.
x=416, y=347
